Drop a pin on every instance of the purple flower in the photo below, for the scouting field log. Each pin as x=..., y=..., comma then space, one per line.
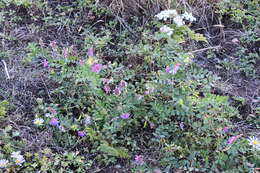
x=168, y=69
x=152, y=125
x=91, y=52
x=125, y=116
x=81, y=133
x=173, y=70
x=139, y=159
x=122, y=84
x=45, y=63
x=117, y=91
x=225, y=129
x=81, y=62
x=54, y=121
x=107, y=89
x=96, y=68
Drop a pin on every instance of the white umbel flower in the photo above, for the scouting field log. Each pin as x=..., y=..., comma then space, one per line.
x=254, y=142
x=3, y=163
x=166, y=14
x=38, y=121
x=188, y=16
x=167, y=30
x=178, y=20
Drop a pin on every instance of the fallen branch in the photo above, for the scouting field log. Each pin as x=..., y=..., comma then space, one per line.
x=6, y=70
x=207, y=48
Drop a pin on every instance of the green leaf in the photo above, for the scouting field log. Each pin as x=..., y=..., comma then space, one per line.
x=120, y=152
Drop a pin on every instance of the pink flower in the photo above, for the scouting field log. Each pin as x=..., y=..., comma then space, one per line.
x=157, y=171
x=53, y=45
x=122, y=84
x=117, y=91
x=65, y=52
x=107, y=89
x=81, y=133
x=225, y=129
x=53, y=111
x=233, y=139
x=96, y=68
x=81, y=62
x=125, y=116
x=91, y=52
x=168, y=69
x=54, y=121
x=139, y=159
x=61, y=128
x=106, y=80
x=173, y=70
x=45, y=63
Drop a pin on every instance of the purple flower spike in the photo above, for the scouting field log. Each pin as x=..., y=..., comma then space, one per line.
x=54, y=121
x=125, y=116
x=45, y=63
x=81, y=133
x=91, y=52
x=107, y=89
x=225, y=129
x=139, y=159
x=96, y=68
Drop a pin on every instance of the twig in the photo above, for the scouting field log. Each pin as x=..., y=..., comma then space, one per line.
x=207, y=48
x=6, y=70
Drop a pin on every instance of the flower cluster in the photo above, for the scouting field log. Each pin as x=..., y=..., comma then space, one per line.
x=177, y=19
x=166, y=14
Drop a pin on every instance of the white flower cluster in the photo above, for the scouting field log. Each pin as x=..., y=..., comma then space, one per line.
x=173, y=14
x=189, y=17
x=167, y=30
x=165, y=14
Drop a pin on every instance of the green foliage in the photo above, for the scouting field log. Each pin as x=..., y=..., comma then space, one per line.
x=170, y=116
x=3, y=107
